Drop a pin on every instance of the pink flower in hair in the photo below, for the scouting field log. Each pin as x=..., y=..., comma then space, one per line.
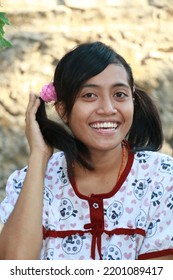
x=48, y=93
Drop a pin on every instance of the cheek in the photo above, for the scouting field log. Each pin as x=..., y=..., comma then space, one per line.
x=128, y=112
x=79, y=114
x=76, y=121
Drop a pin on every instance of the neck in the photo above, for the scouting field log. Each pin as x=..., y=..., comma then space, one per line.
x=103, y=162
x=108, y=168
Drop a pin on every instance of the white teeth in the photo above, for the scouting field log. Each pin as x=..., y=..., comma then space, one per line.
x=104, y=125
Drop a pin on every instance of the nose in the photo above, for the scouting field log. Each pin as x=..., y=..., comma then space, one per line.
x=107, y=107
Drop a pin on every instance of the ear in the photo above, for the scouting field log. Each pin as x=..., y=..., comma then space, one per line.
x=60, y=108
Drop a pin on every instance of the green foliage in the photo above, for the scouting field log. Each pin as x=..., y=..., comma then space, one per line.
x=4, y=21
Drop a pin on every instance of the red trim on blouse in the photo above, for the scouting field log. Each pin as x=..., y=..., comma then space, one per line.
x=156, y=254
x=61, y=234
x=117, y=231
x=127, y=231
x=117, y=185
x=96, y=229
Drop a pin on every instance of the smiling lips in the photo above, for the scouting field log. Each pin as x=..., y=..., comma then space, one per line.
x=104, y=125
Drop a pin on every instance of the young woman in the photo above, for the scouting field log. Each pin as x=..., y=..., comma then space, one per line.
x=107, y=193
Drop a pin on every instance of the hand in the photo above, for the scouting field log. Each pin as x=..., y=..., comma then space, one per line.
x=32, y=130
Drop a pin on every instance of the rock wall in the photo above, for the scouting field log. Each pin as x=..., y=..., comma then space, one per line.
x=141, y=31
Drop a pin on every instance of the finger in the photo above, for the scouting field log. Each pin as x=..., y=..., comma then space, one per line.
x=30, y=119
x=32, y=97
x=30, y=104
x=33, y=105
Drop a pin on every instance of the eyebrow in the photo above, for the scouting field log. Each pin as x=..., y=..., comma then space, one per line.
x=114, y=85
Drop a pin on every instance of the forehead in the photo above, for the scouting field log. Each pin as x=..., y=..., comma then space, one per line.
x=112, y=74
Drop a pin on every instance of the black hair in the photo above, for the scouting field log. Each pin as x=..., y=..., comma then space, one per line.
x=146, y=130
x=75, y=68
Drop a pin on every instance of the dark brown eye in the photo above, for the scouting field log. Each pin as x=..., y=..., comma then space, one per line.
x=120, y=95
x=89, y=95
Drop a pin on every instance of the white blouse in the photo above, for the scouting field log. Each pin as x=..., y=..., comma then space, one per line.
x=133, y=221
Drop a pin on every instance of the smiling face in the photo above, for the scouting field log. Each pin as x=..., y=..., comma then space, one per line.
x=103, y=110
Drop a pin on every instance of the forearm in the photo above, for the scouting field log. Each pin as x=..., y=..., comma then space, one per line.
x=21, y=237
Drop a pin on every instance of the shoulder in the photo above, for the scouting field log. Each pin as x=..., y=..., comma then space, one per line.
x=156, y=157
x=56, y=172
x=16, y=179
x=57, y=158
x=57, y=161
x=153, y=165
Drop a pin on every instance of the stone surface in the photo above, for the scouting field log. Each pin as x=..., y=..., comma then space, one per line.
x=141, y=31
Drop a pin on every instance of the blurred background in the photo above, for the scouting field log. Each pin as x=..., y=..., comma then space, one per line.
x=42, y=31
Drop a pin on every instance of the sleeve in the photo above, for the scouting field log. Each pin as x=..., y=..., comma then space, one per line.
x=13, y=188
x=159, y=233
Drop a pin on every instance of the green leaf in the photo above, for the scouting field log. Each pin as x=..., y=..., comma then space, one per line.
x=4, y=43
x=1, y=31
x=3, y=19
